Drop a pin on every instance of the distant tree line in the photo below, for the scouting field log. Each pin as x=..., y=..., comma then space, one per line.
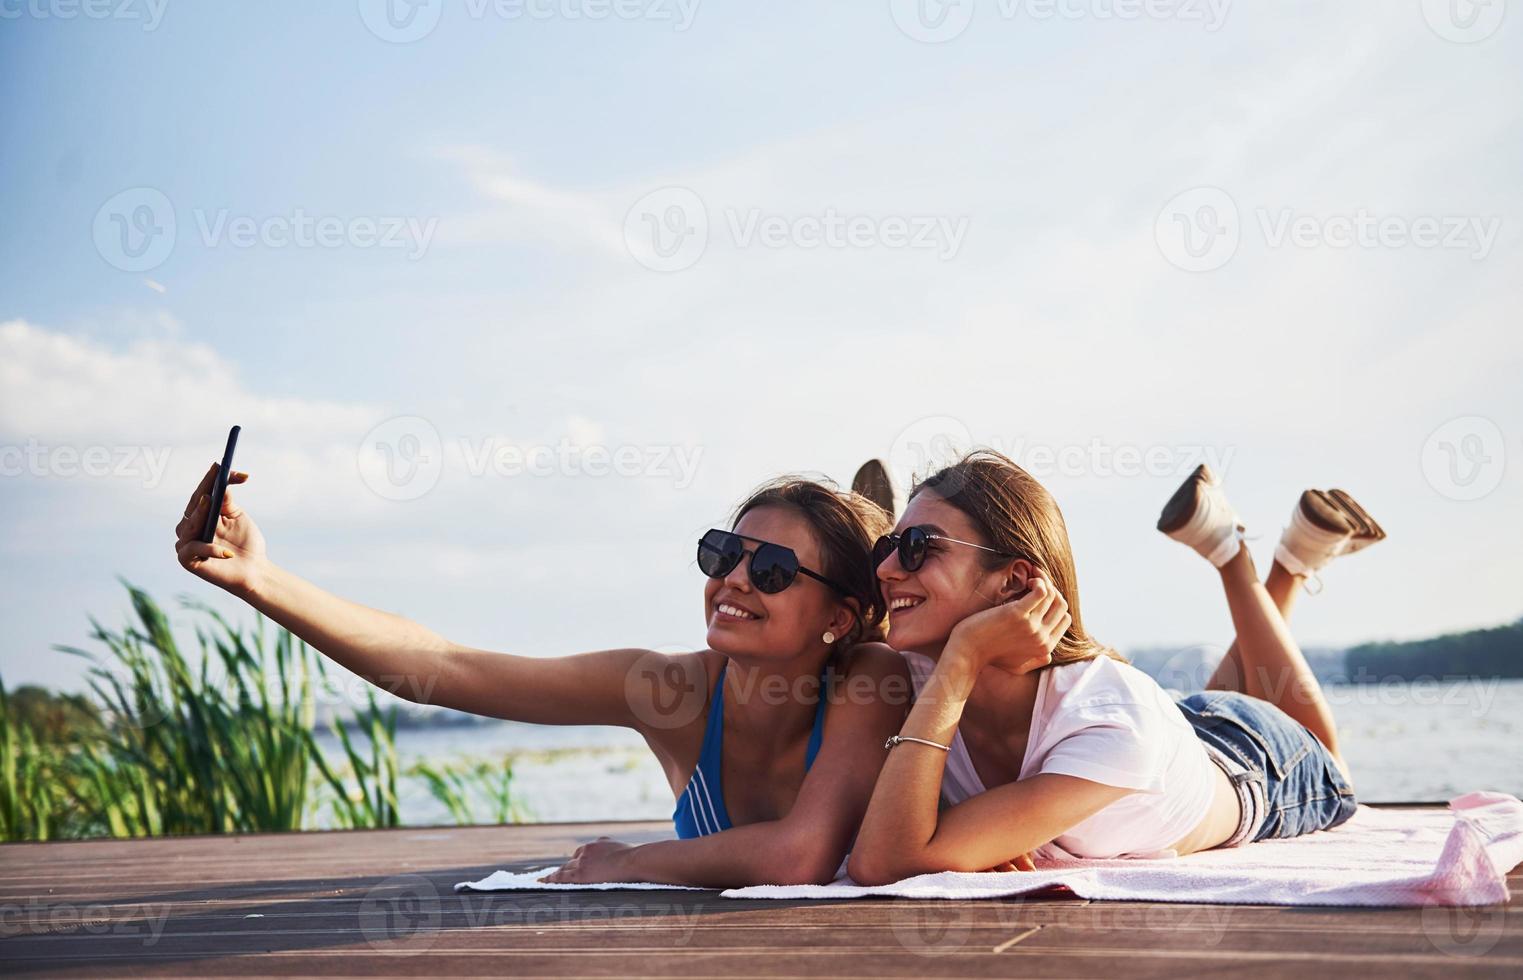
x=1494, y=652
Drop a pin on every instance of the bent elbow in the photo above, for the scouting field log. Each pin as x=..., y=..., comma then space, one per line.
x=802, y=876
x=806, y=869
x=801, y=863
x=869, y=869
x=885, y=866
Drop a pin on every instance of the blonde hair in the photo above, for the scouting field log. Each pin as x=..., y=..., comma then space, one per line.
x=1020, y=518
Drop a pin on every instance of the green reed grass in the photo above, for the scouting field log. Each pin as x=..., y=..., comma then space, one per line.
x=460, y=786
x=366, y=794
x=219, y=743
x=27, y=786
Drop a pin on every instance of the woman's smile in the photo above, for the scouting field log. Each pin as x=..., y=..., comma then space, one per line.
x=901, y=604
x=730, y=612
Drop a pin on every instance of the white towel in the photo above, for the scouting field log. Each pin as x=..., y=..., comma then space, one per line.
x=1378, y=857
x=518, y=881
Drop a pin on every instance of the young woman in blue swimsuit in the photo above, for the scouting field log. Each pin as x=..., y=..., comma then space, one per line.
x=771, y=778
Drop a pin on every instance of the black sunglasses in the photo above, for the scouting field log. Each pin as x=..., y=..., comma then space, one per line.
x=913, y=544
x=773, y=567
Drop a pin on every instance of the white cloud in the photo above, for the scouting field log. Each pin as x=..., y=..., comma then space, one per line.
x=60, y=387
x=164, y=407
x=526, y=209
x=172, y=399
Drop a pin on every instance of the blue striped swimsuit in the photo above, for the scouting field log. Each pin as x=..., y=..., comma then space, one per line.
x=700, y=809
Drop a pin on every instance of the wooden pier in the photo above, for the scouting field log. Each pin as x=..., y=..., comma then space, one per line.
x=382, y=904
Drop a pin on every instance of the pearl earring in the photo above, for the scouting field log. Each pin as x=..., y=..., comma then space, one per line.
x=829, y=637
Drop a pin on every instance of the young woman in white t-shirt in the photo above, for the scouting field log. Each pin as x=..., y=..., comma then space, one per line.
x=1028, y=737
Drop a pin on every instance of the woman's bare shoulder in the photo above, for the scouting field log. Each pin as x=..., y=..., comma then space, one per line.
x=875, y=658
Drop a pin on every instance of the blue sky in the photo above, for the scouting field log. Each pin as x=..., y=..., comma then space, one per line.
x=1353, y=322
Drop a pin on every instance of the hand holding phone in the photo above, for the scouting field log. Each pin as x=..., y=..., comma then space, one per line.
x=215, y=539
x=219, y=486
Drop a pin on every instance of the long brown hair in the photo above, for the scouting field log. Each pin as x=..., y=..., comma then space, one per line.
x=1019, y=517
x=846, y=525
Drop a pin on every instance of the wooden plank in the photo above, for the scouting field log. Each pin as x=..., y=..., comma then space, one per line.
x=327, y=904
x=442, y=960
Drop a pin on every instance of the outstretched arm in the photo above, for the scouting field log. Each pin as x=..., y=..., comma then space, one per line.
x=807, y=845
x=407, y=658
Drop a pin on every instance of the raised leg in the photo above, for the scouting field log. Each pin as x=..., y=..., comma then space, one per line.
x=1283, y=587
x=1271, y=666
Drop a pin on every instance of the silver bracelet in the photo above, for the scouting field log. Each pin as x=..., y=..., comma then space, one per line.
x=894, y=740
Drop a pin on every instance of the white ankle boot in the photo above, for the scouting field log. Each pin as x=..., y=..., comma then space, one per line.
x=1199, y=515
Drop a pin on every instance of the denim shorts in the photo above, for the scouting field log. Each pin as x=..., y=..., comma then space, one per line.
x=1286, y=779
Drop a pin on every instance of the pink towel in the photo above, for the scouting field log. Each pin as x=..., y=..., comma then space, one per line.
x=1378, y=857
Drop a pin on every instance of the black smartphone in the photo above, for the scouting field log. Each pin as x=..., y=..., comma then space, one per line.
x=219, y=487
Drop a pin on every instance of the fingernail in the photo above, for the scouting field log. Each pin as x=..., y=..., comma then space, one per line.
x=226, y=553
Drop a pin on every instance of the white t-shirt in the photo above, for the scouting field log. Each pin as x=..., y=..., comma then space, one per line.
x=1110, y=723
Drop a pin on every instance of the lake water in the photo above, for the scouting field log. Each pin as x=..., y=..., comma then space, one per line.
x=1427, y=742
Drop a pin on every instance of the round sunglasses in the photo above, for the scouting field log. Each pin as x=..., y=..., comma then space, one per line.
x=772, y=569
x=913, y=544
